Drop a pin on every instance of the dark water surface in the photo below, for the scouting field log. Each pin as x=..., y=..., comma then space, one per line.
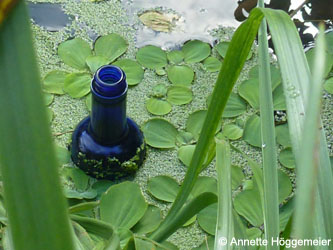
x=49, y=15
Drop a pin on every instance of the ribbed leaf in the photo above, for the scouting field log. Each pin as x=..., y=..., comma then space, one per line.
x=35, y=204
x=270, y=200
x=224, y=227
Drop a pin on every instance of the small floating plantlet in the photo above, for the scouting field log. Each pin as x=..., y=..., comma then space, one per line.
x=107, y=144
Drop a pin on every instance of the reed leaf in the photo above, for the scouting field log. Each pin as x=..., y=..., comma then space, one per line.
x=270, y=201
x=296, y=78
x=237, y=53
x=35, y=204
x=309, y=160
x=224, y=226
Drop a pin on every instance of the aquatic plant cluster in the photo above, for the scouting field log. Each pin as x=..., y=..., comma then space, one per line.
x=109, y=215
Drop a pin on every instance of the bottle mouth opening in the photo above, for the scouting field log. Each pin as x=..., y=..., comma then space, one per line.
x=109, y=81
x=109, y=75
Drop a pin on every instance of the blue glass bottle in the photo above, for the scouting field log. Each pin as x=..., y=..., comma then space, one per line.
x=107, y=144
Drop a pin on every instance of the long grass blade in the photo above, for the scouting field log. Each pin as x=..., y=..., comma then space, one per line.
x=296, y=83
x=233, y=63
x=309, y=161
x=36, y=207
x=270, y=200
x=224, y=226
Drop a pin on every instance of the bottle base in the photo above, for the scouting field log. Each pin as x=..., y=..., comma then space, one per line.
x=111, y=162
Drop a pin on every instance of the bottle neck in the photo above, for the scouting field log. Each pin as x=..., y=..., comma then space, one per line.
x=108, y=122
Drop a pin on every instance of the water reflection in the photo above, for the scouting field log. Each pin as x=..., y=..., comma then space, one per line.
x=196, y=19
x=49, y=15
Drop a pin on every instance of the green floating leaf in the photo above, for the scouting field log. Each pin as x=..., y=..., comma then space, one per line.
x=77, y=85
x=175, y=56
x=329, y=42
x=232, y=131
x=180, y=74
x=163, y=188
x=196, y=51
x=235, y=106
x=279, y=100
x=160, y=72
x=207, y=244
x=253, y=233
x=123, y=205
x=249, y=90
x=310, y=56
x=75, y=194
x=328, y=85
x=63, y=155
x=134, y=72
x=222, y=48
x=184, y=137
x=110, y=46
x=207, y=218
x=212, y=64
x=159, y=90
x=50, y=114
x=179, y=95
x=149, y=222
x=204, y=184
x=48, y=98
x=74, y=53
x=237, y=176
x=285, y=213
x=275, y=75
x=158, y=106
x=282, y=135
x=151, y=57
x=185, y=154
x=101, y=186
x=252, y=131
x=248, y=202
x=286, y=158
x=88, y=102
x=195, y=122
x=79, y=178
x=54, y=82
x=159, y=133
x=95, y=62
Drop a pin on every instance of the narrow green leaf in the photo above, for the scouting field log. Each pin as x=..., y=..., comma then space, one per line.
x=232, y=65
x=270, y=200
x=296, y=81
x=83, y=207
x=224, y=226
x=29, y=169
x=308, y=160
